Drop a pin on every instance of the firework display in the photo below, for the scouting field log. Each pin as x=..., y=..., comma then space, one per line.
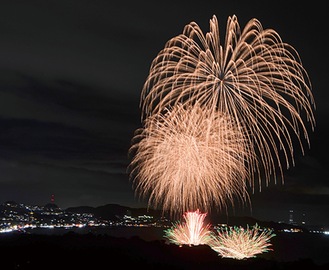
x=241, y=243
x=253, y=76
x=193, y=231
x=229, y=242
x=217, y=118
x=188, y=159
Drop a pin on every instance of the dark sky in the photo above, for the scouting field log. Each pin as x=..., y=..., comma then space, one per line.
x=71, y=73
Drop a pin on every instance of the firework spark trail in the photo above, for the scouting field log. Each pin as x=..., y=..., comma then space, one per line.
x=191, y=232
x=190, y=158
x=240, y=243
x=254, y=77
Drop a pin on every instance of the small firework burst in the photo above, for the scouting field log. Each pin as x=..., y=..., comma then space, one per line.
x=241, y=243
x=193, y=231
x=191, y=158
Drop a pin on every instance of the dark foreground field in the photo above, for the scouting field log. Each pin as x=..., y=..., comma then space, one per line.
x=75, y=251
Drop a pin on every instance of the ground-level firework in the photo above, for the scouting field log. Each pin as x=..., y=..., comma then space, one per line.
x=192, y=231
x=229, y=242
x=241, y=243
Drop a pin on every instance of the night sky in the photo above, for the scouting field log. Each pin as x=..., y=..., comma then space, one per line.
x=71, y=74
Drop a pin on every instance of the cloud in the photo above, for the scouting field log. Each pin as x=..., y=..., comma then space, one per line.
x=72, y=182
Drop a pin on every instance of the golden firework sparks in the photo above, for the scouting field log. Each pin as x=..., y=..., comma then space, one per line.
x=190, y=158
x=253, y=76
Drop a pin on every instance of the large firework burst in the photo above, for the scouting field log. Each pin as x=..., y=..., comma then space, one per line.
x=252, y=77
x=190, y=158
x=241, y=243
x=193, y=231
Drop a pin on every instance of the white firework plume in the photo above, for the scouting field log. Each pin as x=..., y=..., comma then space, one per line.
x=192, y=231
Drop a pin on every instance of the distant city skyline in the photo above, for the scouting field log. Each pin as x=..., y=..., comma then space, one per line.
x=71, y=75
x=292, y=217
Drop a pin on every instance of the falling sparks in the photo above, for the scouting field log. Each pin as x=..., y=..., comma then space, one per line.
x=241, y=243
x=216, y=117
x=188, y=159
x=193, y=231
x=253, y=77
